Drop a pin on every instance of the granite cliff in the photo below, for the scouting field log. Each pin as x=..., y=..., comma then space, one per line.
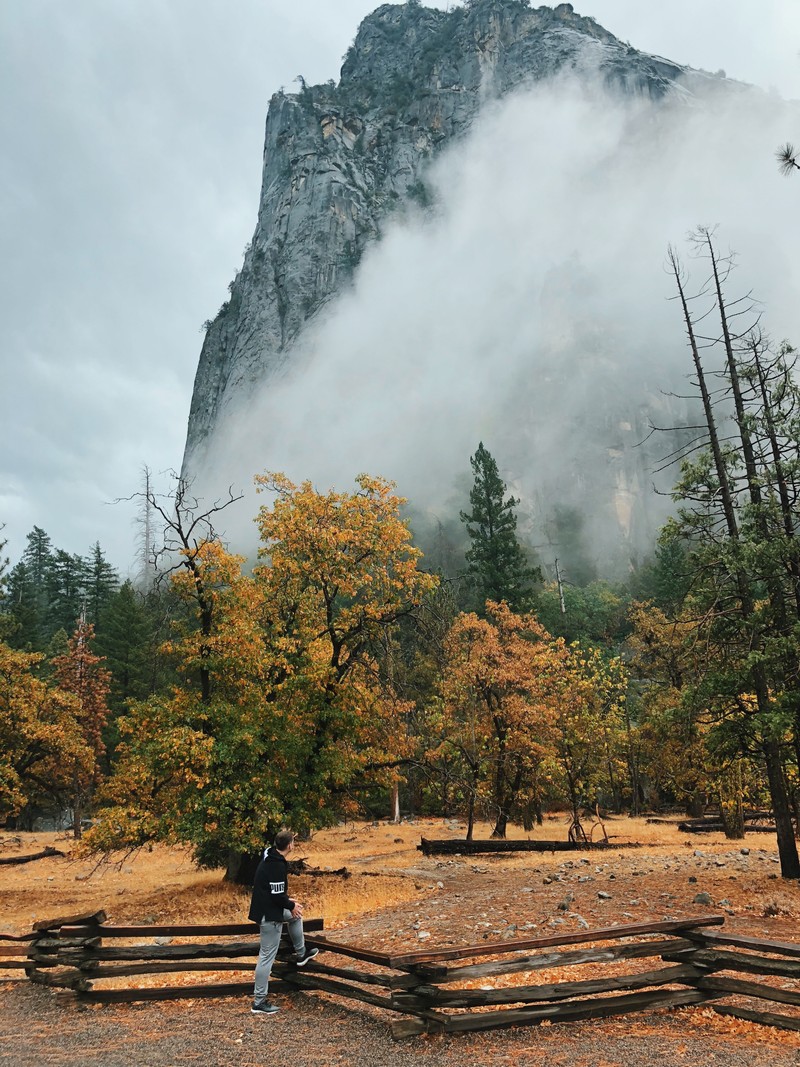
x=340, y=160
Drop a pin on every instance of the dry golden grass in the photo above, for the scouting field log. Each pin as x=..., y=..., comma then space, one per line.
x=394, y=893
x=393, y=889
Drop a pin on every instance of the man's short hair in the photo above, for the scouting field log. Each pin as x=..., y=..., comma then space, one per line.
x=283, y=839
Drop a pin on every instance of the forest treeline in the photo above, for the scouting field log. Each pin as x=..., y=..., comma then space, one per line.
x=338, y=676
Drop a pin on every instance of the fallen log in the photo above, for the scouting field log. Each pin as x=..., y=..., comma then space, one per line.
x=450, y=846
x=717, y=827
x=301, y=867
x=43, y=855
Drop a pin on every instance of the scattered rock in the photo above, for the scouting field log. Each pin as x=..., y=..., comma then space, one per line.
x=603, y=895
x=703, y=898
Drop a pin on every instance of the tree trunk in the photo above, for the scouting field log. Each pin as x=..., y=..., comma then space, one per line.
x=395, y=803
x=471, y=815
x=241, y=869
x=731, y=808
x=500, y=825
x=787, y=845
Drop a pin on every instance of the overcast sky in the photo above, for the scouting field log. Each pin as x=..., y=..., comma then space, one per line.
x=132, y=134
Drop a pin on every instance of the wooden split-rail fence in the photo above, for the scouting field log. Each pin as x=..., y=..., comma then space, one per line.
x=449, y=989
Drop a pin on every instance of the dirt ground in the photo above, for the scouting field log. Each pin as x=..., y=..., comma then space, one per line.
x=397, y=897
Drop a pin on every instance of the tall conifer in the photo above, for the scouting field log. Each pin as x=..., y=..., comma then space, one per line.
x=497, y=567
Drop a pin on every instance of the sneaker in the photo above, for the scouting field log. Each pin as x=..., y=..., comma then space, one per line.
x=309, y=954
x=263, y=1007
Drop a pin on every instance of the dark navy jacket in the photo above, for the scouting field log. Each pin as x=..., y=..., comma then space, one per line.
x=269, y=889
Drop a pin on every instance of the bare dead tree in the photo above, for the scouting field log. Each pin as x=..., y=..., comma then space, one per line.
x=186, y=526
x=723, y=495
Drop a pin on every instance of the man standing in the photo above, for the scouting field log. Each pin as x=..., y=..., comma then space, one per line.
x=271, y=907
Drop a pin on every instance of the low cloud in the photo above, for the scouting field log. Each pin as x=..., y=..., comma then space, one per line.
x=531, y=310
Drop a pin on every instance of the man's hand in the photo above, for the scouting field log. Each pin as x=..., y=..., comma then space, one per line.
x=297, y=911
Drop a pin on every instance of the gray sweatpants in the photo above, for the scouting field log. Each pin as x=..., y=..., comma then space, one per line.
x=270, y=940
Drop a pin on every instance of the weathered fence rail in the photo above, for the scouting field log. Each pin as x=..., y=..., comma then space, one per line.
x=68, y=954
x=435, y=990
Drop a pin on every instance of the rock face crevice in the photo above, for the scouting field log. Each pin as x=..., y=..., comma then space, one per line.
x=340, y=159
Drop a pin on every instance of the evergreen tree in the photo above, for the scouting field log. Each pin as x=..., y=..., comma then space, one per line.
x=125, y=642
x=21, y=608
x=29, y=594
x=101, y=581
x=497, y=568
x=6, y=623
x=66, y=587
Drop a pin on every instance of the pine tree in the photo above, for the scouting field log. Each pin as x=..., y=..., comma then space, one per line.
x=5, y=620
x=100, y=583
x=66, y=586
x=497, y=568
x=28, y=596
x=125, y=642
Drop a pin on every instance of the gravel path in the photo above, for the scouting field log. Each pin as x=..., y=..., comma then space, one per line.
x=316, y=1032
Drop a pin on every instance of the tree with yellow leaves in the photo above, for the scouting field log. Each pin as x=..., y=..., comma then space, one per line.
x=290, y=718
x=42, y=746
x=338, y=573
x=499, y=695
x=80, y=673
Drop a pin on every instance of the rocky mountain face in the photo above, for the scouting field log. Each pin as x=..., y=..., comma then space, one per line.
x=342, y=159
